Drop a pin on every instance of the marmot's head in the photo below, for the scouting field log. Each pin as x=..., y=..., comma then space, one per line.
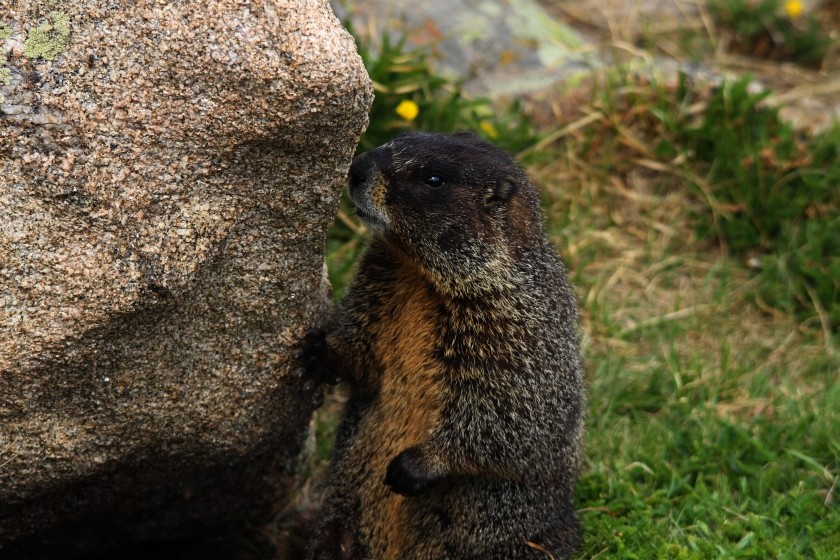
x=459, y=206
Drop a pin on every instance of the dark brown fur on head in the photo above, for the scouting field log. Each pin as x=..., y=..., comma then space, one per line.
x=457, y=204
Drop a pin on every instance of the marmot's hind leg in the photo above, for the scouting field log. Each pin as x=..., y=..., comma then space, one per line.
x=334, y=541
x=562, y=540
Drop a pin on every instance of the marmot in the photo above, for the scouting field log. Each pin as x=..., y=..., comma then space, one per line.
x=458, y=339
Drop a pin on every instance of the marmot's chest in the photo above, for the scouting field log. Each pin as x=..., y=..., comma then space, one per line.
x=405, y=339
x=403, y=411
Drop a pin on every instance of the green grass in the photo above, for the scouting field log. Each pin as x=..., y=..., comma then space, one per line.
x=772, y=29
x=700, y=232
x=702, y=443
x=714, y=427
x=758, y=189
x=401, y=75
x=717, y=452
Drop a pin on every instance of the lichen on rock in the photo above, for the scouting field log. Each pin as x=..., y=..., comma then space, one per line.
x=48, y=40
x=5, y=73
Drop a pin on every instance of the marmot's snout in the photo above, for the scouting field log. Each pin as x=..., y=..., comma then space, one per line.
x=367, y=190
x=361, y=171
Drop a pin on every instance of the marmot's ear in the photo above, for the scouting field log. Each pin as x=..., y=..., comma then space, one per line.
x=500, y=193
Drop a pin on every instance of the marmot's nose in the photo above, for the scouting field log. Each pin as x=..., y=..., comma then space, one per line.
x=361, y=169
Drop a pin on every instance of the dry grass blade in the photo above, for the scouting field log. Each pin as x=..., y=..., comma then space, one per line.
x=539, y=548
x=667, y=317
x=9, y=460
x=355, y=227
x=825, y=321
x=830, y=494
x=407, y=88
x=381, y=88
x=804, y=92
x=627, y=138
x=565, y=131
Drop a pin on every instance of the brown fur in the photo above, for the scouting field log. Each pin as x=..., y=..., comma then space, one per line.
x=403, y=346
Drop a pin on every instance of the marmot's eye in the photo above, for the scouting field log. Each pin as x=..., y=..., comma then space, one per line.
x=433, y=180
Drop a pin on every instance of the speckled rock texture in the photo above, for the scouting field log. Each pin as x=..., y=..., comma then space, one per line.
x=167, y=174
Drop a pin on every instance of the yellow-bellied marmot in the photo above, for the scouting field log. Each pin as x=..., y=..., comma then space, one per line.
x=458, y=338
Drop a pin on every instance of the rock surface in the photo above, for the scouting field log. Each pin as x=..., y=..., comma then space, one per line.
x=496, y=47
x=167, y=175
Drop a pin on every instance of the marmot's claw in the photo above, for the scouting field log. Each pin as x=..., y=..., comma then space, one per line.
x=311, y=354
x=406, y=474
x=314, y=341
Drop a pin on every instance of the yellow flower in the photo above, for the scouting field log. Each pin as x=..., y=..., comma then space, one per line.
x=489, y=129
x=408, y=109
x=793, y=8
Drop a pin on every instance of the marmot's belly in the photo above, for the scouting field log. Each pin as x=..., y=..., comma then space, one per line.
x=393, y=423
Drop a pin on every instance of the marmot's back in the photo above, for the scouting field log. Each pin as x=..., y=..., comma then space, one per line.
x=458, y=338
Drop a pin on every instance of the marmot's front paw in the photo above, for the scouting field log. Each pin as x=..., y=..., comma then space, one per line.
x=407, y=475
x=311, y=355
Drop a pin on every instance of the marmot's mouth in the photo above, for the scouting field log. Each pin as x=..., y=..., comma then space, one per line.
x=373, y=220
x=362, y=214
